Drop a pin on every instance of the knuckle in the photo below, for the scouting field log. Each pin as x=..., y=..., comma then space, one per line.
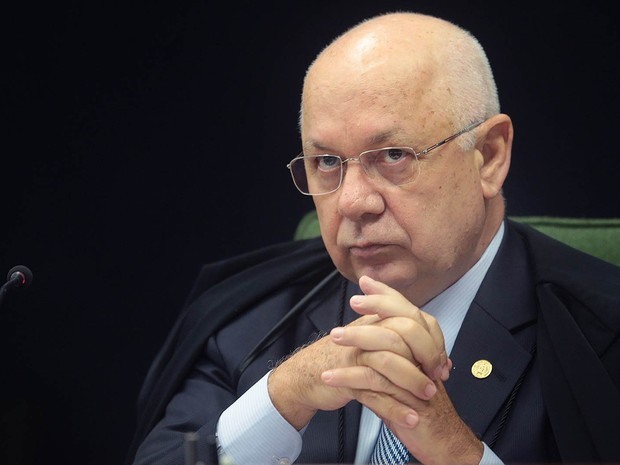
x=375, y=381
x=367, y=397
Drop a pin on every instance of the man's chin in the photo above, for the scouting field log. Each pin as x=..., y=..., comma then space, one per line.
x=386, y=273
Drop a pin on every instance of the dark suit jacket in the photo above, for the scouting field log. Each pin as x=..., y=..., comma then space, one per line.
x=546, y=316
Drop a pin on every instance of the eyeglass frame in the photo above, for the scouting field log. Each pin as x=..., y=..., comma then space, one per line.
x=346, y=160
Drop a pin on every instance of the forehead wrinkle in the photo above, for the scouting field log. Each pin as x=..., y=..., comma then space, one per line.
x=372, y=141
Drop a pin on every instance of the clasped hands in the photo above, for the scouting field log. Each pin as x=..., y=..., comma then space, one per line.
x=392, y=360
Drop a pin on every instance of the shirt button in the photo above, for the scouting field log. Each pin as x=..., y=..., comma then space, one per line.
x=283, y=461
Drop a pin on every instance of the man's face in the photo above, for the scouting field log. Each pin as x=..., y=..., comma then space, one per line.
x=418, y=238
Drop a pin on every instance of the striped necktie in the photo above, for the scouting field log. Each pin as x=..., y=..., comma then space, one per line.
x=389, y=450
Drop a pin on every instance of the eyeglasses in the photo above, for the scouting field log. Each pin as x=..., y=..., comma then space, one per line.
x=323, y=174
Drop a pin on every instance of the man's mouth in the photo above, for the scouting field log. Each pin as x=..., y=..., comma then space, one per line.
x=366, y=250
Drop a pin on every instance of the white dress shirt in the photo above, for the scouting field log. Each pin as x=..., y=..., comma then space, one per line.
x=252, y=431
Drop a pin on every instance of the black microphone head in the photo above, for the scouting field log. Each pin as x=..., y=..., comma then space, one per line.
x=21, y=275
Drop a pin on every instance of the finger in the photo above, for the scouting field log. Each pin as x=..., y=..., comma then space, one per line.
x=365, y=378
x=383, y=372
x=400, y=372
x=365, y=320
x=426, y=343
x=401, y=336
x=389, y=409
x=385, y=301
x=381, y=299
x=442, y=371
x=371, y=338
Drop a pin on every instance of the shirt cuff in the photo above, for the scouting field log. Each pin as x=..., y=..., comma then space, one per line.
x=251, y=430
x=489, y=457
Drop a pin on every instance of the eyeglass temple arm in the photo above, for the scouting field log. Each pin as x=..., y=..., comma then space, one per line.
x=453, y=136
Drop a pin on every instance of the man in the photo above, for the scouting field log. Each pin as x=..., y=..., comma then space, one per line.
x=447, y=333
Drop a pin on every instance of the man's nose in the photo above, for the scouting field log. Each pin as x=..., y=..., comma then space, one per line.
x=358, y=194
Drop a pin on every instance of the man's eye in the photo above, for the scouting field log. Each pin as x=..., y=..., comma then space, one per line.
x=396, y=154
x=393, y=155
x=328, y=163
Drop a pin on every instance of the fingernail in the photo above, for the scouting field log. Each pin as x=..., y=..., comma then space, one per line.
x=430, y=390
x=356, y=300
x=327, y=375
x=337, y=333
x=445, y=372
x=411, y=419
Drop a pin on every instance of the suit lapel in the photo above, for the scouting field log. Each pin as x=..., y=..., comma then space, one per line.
x=499, y=329
x=476, y=395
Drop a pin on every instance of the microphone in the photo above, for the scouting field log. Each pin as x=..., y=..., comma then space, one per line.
x=18, y=278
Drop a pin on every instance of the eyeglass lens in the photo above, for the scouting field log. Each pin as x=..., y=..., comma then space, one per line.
x=322, y=174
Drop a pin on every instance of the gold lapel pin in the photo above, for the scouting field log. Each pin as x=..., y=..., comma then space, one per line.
x=481, y=369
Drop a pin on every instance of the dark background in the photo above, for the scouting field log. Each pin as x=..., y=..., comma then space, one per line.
x=142, y=139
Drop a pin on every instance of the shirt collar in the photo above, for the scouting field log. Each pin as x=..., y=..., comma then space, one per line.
x=450, y=307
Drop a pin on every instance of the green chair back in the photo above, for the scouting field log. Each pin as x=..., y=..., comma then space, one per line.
x=597, y=236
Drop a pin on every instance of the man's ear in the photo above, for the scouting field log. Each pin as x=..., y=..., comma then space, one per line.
x=495, y=148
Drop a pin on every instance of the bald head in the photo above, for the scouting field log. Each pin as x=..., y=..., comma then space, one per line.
x=427, y=63
x=392, y=84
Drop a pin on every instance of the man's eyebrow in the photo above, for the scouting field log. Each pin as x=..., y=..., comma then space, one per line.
x=374, y=141
x=382, y=137
x=311, y=146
